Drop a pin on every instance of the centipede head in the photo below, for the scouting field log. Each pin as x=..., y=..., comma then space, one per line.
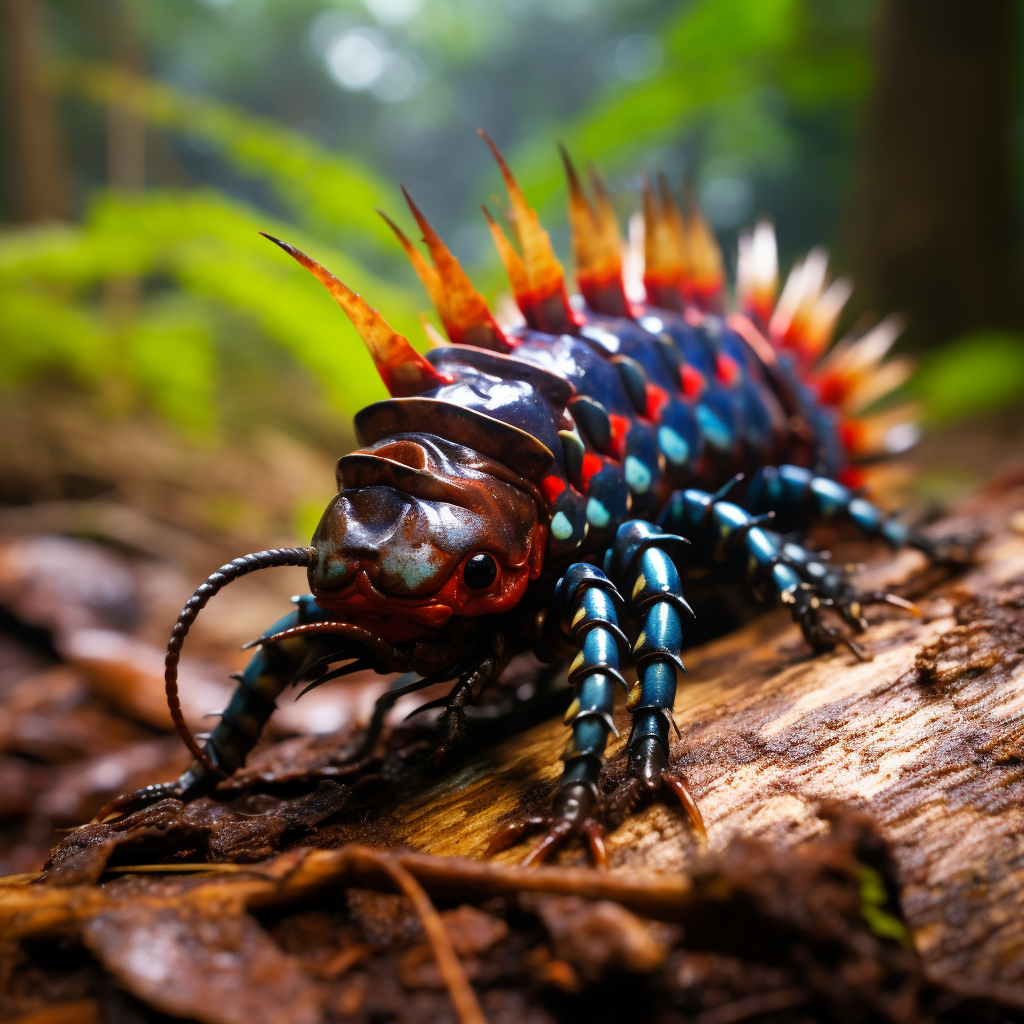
x=424, y=530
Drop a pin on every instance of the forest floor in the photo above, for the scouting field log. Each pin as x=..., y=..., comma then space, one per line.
x=864, y=858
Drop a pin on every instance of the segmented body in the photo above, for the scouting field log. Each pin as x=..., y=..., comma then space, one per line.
x=544, y=487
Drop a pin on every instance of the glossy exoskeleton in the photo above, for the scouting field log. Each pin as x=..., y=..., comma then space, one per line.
x=547, y=488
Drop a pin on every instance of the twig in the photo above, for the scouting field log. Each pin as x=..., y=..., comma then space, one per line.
x=462, y=995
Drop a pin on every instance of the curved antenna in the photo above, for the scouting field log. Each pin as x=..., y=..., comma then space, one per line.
x=214, y=583
x=404, y=371
x=540, y=287
x=596, y=244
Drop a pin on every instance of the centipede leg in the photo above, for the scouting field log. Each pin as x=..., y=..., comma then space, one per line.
x=797, y=496
x=587, y=602
x=656, y=600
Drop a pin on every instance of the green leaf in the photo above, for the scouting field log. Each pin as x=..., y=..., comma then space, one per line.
x=982, y=372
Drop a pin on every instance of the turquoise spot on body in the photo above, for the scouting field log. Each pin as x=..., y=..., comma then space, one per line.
x=597, y=515
x=675, y=448
x=561, y=528
x=712, y=427
x=638, y=476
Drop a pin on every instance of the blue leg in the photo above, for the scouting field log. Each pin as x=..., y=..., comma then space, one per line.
x=642, y=558
x=273, y=668
x=834, y=587
x=797, y=497
x=722, y=533
x=586, y=608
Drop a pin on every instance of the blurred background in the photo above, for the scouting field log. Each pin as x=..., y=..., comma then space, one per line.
x=174, y=391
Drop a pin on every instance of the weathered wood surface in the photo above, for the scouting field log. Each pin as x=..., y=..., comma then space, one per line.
x=771, y=734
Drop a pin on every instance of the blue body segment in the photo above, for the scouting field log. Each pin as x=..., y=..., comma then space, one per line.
x=649, y=424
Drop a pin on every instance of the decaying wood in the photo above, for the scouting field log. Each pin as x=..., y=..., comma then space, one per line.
x=821, y=780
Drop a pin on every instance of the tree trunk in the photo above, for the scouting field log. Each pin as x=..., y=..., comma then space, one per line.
x=933, y=222
x=40, y=184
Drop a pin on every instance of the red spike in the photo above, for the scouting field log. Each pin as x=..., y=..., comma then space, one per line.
x=463, y=310
x=706, y=274
x=404, y=371
x=596, y=244
x=537, y=277
x=664, y=248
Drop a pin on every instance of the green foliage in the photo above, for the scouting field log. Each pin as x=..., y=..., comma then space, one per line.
x=874, y=900
x=734, y=73
x=326, y=190
x=193, y=252
x=979, y=373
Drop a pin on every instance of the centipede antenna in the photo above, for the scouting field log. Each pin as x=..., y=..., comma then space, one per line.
x=213, y=585
x=404, y=371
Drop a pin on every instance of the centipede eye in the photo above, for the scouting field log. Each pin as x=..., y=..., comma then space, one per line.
x=480, y=571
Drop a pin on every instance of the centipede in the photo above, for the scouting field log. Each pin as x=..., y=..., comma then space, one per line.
x=550, y=485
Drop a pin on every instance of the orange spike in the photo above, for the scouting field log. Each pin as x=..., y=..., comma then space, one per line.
x=664, y=248
x=543, y=300
x=424, y=271
x=404, y=371
x=757, y=273
x=514, y=266
x=606, y=219
x=597, y=245
x=432, y=333
x=463, y=310
x=707, y=277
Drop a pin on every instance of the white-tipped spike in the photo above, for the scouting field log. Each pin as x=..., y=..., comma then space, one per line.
x=881, y=381
x=757, y=271
x=868, y=350
x=901, y=437
x=789, y=300
x=823, y=316
x=814, y=270
x=765, y=252
x=633, y=260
